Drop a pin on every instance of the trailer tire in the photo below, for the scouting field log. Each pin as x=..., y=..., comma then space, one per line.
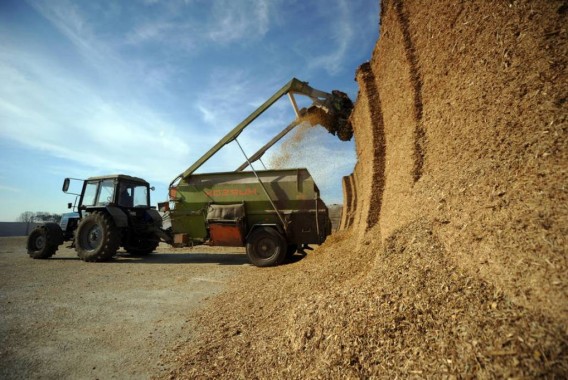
x=97, y=238
x=44, y=240
x=266, y=247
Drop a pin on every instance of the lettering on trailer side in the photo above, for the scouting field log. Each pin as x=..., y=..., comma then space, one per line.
x=231, y=192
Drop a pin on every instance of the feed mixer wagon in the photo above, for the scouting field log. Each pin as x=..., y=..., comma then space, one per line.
x=271, y=212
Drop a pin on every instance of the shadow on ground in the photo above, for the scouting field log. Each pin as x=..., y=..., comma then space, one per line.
x=182, y=258
x=174, y=258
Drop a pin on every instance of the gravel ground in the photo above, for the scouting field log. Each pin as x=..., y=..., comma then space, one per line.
x=64, y=318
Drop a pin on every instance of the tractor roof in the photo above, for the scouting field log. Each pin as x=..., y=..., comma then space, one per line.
x=119, y=177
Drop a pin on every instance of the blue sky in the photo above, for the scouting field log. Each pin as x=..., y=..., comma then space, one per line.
x=146, y=87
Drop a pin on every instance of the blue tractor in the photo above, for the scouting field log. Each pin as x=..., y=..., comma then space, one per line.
x=113, y=211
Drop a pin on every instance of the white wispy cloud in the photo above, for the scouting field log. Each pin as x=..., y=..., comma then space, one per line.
x=66, y=118
x=67, y=17
x=9, y=188
x=343, y=37
x=226, y=21
x=232, y=20
x=105, y=54
x=165, y=30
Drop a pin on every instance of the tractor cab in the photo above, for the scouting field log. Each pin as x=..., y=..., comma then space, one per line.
x=119, y=190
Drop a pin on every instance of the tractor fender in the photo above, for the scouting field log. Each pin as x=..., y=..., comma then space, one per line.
x=277, y=227
x=118, y=216
x=156, y=217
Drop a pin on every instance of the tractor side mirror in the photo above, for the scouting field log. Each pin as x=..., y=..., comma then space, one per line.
x=69, y=205
x=66, y=185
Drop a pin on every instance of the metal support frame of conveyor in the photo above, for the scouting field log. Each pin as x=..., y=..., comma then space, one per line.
x=294, y=105
x=267, y=146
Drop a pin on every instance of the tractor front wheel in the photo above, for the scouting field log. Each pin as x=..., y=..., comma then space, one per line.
x=44, y=240
x=266, y=247
x=97, y=238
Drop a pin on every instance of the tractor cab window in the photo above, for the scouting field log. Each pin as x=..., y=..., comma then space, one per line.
x=141, y=196
x=106, y=193
x=90, y=193
x=133, y=195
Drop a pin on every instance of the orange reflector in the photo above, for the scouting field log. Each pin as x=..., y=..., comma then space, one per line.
x=173, y=192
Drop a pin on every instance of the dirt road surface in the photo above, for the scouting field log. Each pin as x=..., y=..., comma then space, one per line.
x=64, y=318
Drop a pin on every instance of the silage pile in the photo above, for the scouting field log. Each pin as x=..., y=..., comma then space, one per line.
x=462, y=121
x=330, y=315
x=454, y=261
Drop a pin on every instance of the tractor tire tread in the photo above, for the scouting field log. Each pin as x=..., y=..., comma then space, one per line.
x=110, y=241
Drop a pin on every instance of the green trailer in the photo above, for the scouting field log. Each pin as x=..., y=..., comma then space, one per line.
x=271, y=212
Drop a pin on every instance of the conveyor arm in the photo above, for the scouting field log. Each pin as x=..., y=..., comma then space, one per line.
x=294, y=86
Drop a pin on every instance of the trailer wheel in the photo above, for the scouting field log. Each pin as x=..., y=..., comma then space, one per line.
x=266, y=247
x=97, y=238
x=44, y=240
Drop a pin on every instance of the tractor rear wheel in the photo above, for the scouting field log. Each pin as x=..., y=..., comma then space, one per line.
x=266, y=247
x=97, y=238
x=44, y=240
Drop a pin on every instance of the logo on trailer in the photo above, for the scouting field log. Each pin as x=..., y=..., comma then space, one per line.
x=231, y=192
